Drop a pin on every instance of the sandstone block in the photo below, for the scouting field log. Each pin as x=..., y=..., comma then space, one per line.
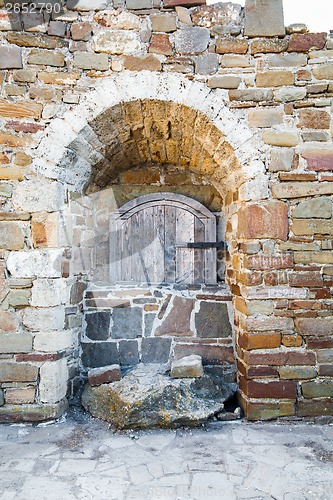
x=235, y=61
x=303, y=42
x=231, y=45
x=11, y=343
x=224, y=82
x=163, y=22
x=302, y=227
x=301, y=189
x=45, y=230
x=104, y=375
x=269, y=220
x=11, y=236
x=53, y=341
x=19, y=298
x=255, y=95
x=297, y=372
x=46, y=57
x=325, y=356
x=289, y=94
x=148, y=62
x=315, y=326
x=40, y=263
x=17, y=372
x=266, y=46
x=36, y=40
x=22, y=395
x=120, y=20
x=86, y=60
x=317, y=208
x=184, y=15
x=321, y=389
x=8, y=321
x=14, y=141
x=274, y=79
x=314, y=118
x=49, y=196
x=59, y=78
x=264, y=18
x=319, y=159
x=260, y=341
x=187, y=367
x=268, y=323
x=286, y=60
x=264, y=118
x=81, y=31
x=20, y=110
x=281, y=159
x=10, y=57
x=117, y=42
x=57, y=28
x=160, y=44
x=281, y=138
x=53, y=381
x=323, y=72
x=191, y=40
x=48, y=292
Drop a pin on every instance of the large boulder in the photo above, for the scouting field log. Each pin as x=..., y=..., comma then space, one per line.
x=148, y=397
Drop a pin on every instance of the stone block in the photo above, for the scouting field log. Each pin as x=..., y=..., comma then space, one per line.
x=49, y=196
x=264, y=18
x=46, y=57
x=211, y=354
x=10, y=57
x=81, y=31
x=11, y=236
x=315, y=326
x=17, y=372
x=22, y=395
x=314, y=118
x=98, y=325
x=303, y=42
x=128, y=352
x=311, y=408
x=97, y=354
x=264, y=262
x=184, y=15
x=160, y=44
x=286, y=60
x=289, y=94
x=311, y=227
x=51, y=318
x=11, y=343
x=56, y=28
x=256, y=95
x=265, y=118
x=86, y=60
x=155, y=350
x=274, y=79
x=320, y=389
x=2, y=399
x=187, y=367
x=323, y=72
x=319, y=160
x=316, y=208
x=207, y=65
x=53, y=341
x=45, y=230
x=53, y=381
x=8, y=321
x=49, y=292
x=212, y=320
x=123, y=42
x=177, y=322
x=263, y=323
x=86, y=5
x=142, y=63
x=267, y=220
x=267, y=45
x=104, y=375
x=35, y=263
x=174, y=3
x=191, y=40
x=163, y=22
x=20, y=110
x=230, y=45
x=235, y=61
x=301, y=189
x=325, y=356
x=281, y=138
x=297, y=372
x=259, y=341
x=126, y=323
x=139, y=4
x=224, y=82
x=11, y=174
x=306, y=279
x=277, y=389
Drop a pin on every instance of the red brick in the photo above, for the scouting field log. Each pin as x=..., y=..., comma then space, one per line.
x=259, y=341
x=305, y=304
x=315, y=326
x=326, y=370
x=276, y=389
x=38, y=357
x=280, y=358
x=319, y=343
x=319, y=160
x=314, y=407
x=105, y=375
x=303, y=42
x=268, y=261
x=270, y=279
x=250, y=278
x=267, y=220
x=313, y=279
x=160, y=44
x=323, y=293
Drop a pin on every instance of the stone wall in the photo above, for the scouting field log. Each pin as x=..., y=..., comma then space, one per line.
x=88, y=97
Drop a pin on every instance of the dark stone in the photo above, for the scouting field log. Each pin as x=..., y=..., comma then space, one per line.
x=77, y=292
x=95, y=354
x=155, y=350
x=127, y=323
x=147, y=397
x=98, y=325
x=177, y=321
x=149, y=321
x=104, y=375
x=212, y=321
x=128, y=352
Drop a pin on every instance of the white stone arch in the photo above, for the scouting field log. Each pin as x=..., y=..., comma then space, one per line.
x=129, y=86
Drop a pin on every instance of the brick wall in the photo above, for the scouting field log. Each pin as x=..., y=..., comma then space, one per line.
x=88, y=98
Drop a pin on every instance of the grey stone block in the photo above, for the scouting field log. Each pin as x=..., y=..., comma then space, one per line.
x=155, y=350
x=127, y=323
x=212, y=321
x=192, y=40
x=207, y=64
x=148, y=324
x=95, y=354
x=139, y=4
x=2, y=401
x=129, y=352
x=98, y=325
x=264, y=18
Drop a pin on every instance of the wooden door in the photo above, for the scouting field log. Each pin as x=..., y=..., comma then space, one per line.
x=149, y=241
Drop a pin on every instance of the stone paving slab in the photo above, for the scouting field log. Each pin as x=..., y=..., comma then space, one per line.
x=79, y=457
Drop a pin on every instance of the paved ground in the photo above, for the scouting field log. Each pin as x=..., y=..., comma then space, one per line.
x=81, y=458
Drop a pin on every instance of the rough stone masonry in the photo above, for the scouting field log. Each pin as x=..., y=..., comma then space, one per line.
x=218, y=103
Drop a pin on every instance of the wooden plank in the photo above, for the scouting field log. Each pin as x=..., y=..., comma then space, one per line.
x=210, y=254
x=115, y=250
x=199, y=255
x=184, y=256
x=170, y=244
